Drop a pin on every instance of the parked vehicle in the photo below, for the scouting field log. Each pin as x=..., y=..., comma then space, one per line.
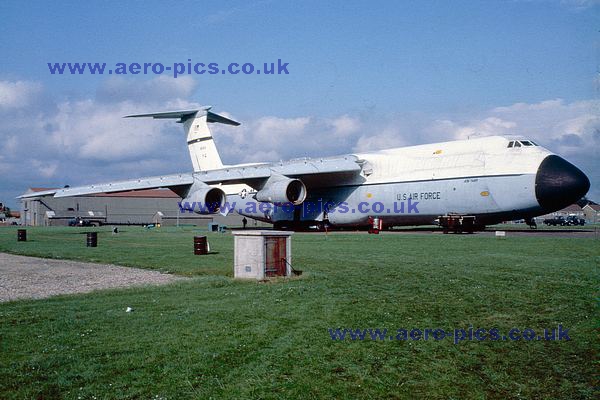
x=83, y=222
x=559, y=220
x=573, y=220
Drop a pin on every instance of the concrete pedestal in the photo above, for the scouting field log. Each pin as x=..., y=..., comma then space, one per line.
x=262, y=254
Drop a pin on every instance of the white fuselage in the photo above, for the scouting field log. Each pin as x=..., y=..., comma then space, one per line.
x=481, y=177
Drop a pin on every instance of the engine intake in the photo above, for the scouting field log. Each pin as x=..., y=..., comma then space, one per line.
x=281, y=189
x=204, y=199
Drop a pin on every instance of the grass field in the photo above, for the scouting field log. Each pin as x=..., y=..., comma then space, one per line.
x=214, y=337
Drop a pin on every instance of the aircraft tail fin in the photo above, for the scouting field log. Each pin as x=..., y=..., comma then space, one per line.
x=201, y=145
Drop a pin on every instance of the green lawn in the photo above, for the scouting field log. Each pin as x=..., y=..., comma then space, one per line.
x=214, y=337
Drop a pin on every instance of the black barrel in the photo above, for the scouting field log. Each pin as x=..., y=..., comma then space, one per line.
x=21, y=235
x=200, y=245
x=92, y=239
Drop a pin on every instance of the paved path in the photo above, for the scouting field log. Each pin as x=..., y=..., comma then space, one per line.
x=36, y=278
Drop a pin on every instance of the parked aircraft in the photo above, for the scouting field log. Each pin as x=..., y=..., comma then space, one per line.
x=488, y=179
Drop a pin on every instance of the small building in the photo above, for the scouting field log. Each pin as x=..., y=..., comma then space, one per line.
x=262, y=254
x=592, y=213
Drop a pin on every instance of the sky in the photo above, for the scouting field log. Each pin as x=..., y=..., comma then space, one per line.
x=361, y=77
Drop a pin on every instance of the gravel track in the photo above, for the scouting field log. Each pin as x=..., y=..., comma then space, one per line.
x=24, y=277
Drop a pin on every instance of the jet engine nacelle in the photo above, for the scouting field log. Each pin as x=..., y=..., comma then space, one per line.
x=281, y=189
x=204, y=199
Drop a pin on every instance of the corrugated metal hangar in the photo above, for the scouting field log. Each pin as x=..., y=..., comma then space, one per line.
x=125, y=208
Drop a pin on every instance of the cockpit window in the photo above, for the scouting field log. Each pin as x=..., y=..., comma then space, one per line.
x=521, y=143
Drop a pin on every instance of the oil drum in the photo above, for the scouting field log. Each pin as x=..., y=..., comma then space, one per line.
x=92, y=239
x=200, y=245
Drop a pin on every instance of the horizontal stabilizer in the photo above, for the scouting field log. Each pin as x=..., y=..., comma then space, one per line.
x=186, y=114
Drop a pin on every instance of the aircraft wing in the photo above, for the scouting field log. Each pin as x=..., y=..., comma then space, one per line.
x=174, y=182
x=37, y=194
x=313, y=173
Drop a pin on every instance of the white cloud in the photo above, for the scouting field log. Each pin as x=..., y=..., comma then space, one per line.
x=485, y=127
x=45, y=169
x=18, y=94
x=386, y=138
x=275, y=138
x=278, y=129
x=88, y=130
x=345, y=125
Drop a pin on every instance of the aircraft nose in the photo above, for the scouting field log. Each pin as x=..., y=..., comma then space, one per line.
x=558, y=183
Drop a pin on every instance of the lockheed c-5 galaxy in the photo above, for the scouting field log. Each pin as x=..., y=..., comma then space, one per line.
x=489, y=179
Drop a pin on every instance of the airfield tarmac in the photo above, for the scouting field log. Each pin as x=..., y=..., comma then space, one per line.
x=593, y=233
x=37, y=278
x=565, y=233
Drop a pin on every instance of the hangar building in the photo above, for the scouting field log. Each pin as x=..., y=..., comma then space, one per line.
x=125, y=208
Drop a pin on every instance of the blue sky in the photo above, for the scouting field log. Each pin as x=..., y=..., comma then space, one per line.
x=386, y=73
